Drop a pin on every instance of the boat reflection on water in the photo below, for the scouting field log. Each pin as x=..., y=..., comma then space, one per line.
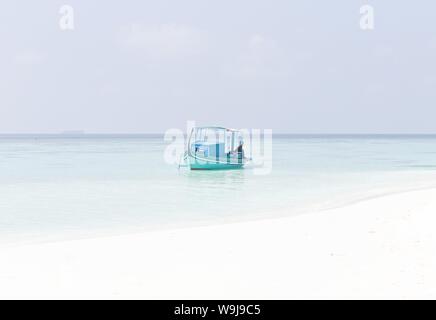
x=228, y=179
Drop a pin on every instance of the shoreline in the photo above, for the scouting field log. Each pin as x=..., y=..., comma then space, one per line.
x=260, y=216
x=378, y=248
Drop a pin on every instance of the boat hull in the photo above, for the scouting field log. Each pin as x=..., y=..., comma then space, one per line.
x=216, y=167
x=199, y=164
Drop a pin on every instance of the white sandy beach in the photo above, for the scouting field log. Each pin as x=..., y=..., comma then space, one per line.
x=380, y=248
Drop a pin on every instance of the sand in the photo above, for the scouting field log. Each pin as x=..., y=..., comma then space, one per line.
x=381, y=248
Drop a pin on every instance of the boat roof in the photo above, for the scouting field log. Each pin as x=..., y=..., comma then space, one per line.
x=217, y=128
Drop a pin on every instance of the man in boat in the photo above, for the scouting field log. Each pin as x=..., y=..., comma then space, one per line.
x=239, y=151
x=240, y=148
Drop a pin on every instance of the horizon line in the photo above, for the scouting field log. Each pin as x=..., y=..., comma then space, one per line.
x=162, y=133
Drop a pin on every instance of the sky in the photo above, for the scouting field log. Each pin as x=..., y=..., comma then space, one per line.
x=302, y=66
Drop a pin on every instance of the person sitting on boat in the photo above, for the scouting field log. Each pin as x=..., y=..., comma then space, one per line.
x=238, y=150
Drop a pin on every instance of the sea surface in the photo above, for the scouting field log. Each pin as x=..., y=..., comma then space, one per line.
x=55, y=187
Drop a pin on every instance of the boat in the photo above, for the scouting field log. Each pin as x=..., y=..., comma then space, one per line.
x=215, y=148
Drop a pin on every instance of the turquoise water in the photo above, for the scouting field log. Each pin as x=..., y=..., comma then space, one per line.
x=68, y=187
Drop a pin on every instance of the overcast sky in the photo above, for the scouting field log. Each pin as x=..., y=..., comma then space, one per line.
x=301, y=66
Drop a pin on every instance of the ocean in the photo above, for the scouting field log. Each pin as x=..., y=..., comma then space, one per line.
x=57, y=187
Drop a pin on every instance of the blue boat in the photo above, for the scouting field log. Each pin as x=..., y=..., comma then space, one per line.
x=215, y=148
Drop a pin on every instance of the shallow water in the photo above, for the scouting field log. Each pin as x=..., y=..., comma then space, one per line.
x=67, y=187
